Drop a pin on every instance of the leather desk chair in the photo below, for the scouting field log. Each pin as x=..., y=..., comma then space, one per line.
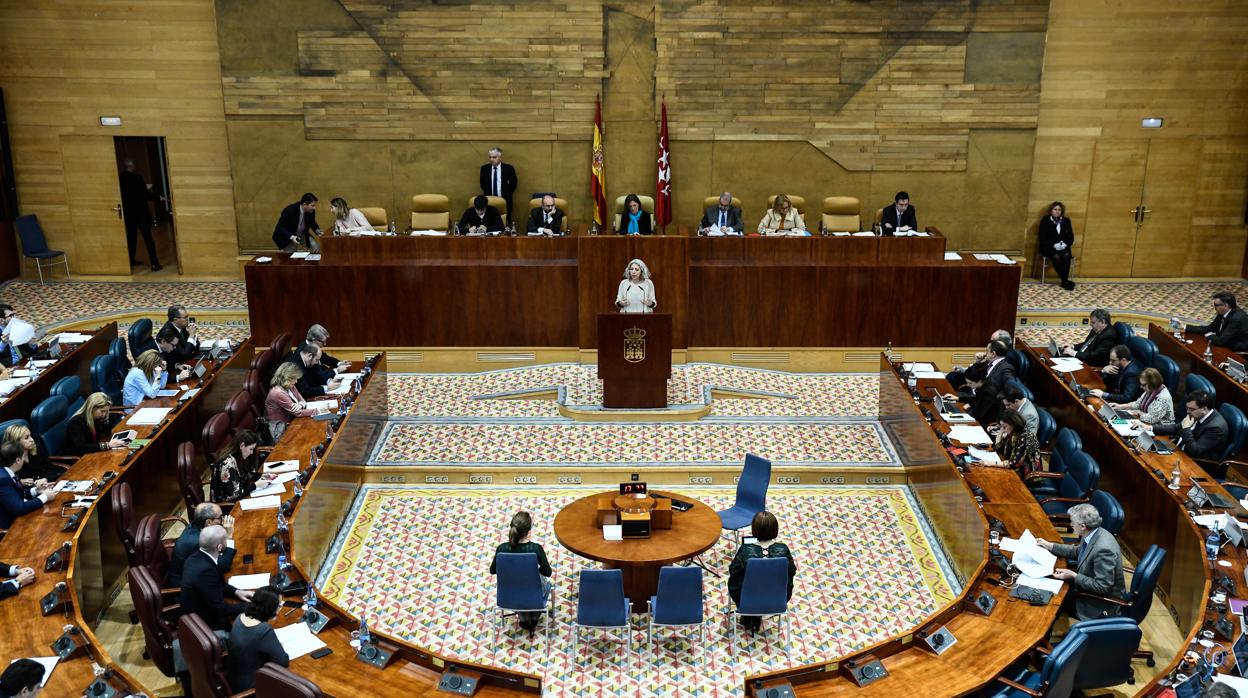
x=276, y=681
x=281, y=346
x=647, y=205
x=105, y=379
x=117, y=350
x=213, y=436
x=254, y=387
x=431, y=212
x=376, y=217
x=157, y=619
x=264, y=364
x=799, y=203
x=560, y=205
x=140, y=337
x=205, y=661
x=189, y=483
x=153, y=548
x=122, y=500
x=499, y=204
x=70, y=388
x=842, y=214
x=242, y=411
x=48, y=422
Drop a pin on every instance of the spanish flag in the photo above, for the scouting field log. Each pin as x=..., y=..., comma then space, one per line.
x=598, y=171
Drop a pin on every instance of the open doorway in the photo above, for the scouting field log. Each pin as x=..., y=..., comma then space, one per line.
x=147, y=205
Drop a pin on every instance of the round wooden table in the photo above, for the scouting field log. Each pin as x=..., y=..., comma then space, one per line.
x=693, y=532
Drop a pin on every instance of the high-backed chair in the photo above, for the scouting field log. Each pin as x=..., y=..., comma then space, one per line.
x=799, y=202
x=376, y=217
x=189, y=482
x=764, y=592
x=647, y=205
x=1125, y=332
x=276, y=681
x=152, y=546
x=714, y=201
x=751, y=494
x=139, y=336
x=1112, y=515
x=35, y=245
x=70, y=388
x=1055, y=678
x=256, y=388
x=1046, y=428
x=1068, y=441
x=1112, y=642
x=1020, y=362
x=1143, y=350
x=1076, y=484
x=157, y=619
x=281, y=346
x=431, y=212
x=4, y=426
x=602, y=604
x=117, y=350
x=678, y=601
x=124, y=523
x=47, y=424
x=842, y=214
x=205, y=662
x=520, y=589
x=1193, y=382
x=214, y=434
x=560, y=205
x=499, y=204
x=1236, y=430
x=264, y=364
x=1169, y=372
x=242, y=411
x=104, y=378
x=1022, y=389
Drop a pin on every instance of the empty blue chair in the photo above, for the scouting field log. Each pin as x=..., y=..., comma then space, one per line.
x=117, y=350
x=1081, y=477
x=602, y=605
x=1046, y=428
x=520, y=589
x=104, y=378
x=678, y=602
x=1022, y=389
x=1068, y=441
x=1143, y=350
x=1112, y=643
x=1125, y=332
x=35, y=245
x=1110, y=510
x=70, y=388
x=1236, y=427
x=47, y=424
x=1056, y=676
x=1169, y=372
x=764, y=592
x=1022, y=364
x=140, y=337
x=751, y=494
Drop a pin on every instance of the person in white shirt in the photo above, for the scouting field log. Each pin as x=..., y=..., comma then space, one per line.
x=348, y=220
x=636, y=292
x=16, y=337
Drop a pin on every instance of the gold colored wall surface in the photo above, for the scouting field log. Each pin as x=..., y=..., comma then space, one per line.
x=1106, y=67
x=63, y=65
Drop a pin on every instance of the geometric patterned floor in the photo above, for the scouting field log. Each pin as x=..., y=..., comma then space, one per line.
x=415, y=563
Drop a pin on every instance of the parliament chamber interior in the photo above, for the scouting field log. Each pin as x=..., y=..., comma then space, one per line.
x=616, y=348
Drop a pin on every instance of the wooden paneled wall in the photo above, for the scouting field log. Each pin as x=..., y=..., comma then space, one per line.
x=155, y=64
x=1107, y=66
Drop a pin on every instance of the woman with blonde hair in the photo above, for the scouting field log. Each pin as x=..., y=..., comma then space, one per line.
x=346, y=219
x=145, y=380
x=38, y=466
x=88, y=430
x=284, y=402
x=782, y=219
x=636, y=291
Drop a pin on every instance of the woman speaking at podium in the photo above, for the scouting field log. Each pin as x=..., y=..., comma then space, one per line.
x=636, y=293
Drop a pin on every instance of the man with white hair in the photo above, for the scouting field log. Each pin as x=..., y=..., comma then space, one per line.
x=723, y=217
x=1095, y=566
x=498, y=178
x=330, y=366
x=204, y=590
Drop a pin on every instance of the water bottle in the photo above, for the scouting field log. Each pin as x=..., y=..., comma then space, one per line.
x=281, y=562
x=456, y=231
x=365, y=638
x=309, y=599
x=282, y=526
x=1213, y=543
x=298, y=488
x=392, y=230
x=1209, y=350
x=312, y=459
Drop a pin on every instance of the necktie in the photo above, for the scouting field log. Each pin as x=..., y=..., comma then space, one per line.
x=16, y=356
x=498, y=181
x=1221, y=320
x=1083, y=548
x=300, y=229
x=721, y=217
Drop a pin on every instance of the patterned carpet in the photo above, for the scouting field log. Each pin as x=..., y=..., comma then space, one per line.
x=415, y=562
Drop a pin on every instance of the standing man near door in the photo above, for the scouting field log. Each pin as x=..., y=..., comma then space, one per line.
x=135, y=193
x=499, y=179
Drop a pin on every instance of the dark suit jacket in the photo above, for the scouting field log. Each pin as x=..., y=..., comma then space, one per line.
x=509, y=180
x=314, y=379
x=889, y=218
x=288, y=223
x=186, y=350
x=1125, y=385
x=204, y=591
x=1048, y=235
x=645, y=225
x=1204, y=440
x=711, y=217
x=8, y=587
x=186, y=545
x=537, y=220
x=492, y=220
x=1094, y=349
x=1099, y=572
x=1230, y=331
x=134, y=196
x=15, y=500
x=78, y=438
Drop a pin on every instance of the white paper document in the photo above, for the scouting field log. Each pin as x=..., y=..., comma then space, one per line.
x=49, y=663
x=1126, y=430
x=42, y=363
x=1031, y=559
x=323, y=405
x=864, y=234
x=1042, y=583
x=253, y=503
x=953, y=257
x=72, y=486
x=285, y=477
x=73, y=337
x=263, y=260
x=986, y=457
x=345, y=385
x=1067, y=364
x=314, y=257
x=24, y=373
x=432, y=233
x=613, y=532
x=281, y=466
x=297, y=639
x=9, y=385
x=272, y=489
x=249, y=581
x=928, y=374
x=148, y=416
x=969, y=434
x=299, y=255
x=916, y=367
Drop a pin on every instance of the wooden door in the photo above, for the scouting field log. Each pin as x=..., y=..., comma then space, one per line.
x=1165, y=245
x=94, y=197
x=1105, y=245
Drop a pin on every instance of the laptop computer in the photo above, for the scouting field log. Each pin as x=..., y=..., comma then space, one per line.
x=1110, y=414
x=949, y=411
x=1052, y=346
x=1236, y=370
x=1199, y=497
x=1240, y=650
x=1147, y=442
x=1077, y=389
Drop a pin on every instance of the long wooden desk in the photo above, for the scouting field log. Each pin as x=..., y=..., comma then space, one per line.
x=986, y=645
x=547, y=292
x=77, y=362
x=1190, y=358
x=1154, y=514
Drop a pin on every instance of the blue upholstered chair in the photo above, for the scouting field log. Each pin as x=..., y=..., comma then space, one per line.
x=602, y=605
x=678, y=602
x=47, y=424
x=520, y=589
x=4, y=426
x=1022, y=364
x=70, y=388
x=1143, y=350
x=104, y=378
x=1191, y=383
x=1056, y=676
x=764, y=592
x=1112, y=516
x=1169, y=372
x=35, y=245
x=1081, y=477
x=751, y=494
x=1125, y=332
x=1139, y=598
x=1068, y=442
x=1022, y=389
x=1112, y=643
x=140, y=338
x=117, y=350
x=1046, y=428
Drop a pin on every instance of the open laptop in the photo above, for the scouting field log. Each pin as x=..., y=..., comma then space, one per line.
x=949, y=411
x=1109, y=413
x=1052, y=346
x=1236, y=370
x=1079, y=390
x=1199, y=496
x=1147, y=442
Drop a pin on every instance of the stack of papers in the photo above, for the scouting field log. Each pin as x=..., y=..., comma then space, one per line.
x=969, y=434
x=323, y=405
x=273, y=488
x=42, y=363
x=207, y=344
x=986, y=457
x=916, y=367
x=282, y=466
x=998, y=258
x=73, y=337
x=911, y=234
x=345, y=385
x=864, y=234
x=431, y=233
x=72, y=485
x=1124, y=429
x=146, y=416
x=297, y=639
x=299, y=255
x=1032, y=560
x=249, y=581
x=1066, y=364
x=263, y=260
x=270, y=502
x=10, y=384
x=953, y=257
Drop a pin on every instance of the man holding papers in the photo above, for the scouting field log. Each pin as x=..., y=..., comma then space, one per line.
x=723, y=217
x=1097, y=562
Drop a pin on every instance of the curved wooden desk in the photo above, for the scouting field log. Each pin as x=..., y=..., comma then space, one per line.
x=693, y=532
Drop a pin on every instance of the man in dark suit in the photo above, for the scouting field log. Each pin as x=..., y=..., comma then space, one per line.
x=22, y=679
x=204, y=590
x=480, y=218
x=1121, y=376
x=206, y=514
x=135, y=193
x=1203, y=433
x=899, y=216
x=1097, y=565
x=1102, y=337
x=315, y=381
x=21, y=577
x=297, y=226
x=546, y=220
x=180, y=322
x=15, y=499
x=499, y=179
x=330, y=366
x=724, y=215
x=1229, y=328
x=168, y=343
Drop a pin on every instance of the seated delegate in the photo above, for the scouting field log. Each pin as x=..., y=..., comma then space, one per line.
x=253, y=642
x=1055, y=238
x=765, y=529
x=22, y=679
x=146, y=378
x=1013, y=399
x=1094, y=349
x=1121, y=375
x=347, y=220
x=518, y=541
x=188, y=334
x=89, y=430
x=635, y=220
x=284, y=402
x=204, y=589
x=899, y=216
x=1229, y=327
x=206, y=514
x=313, y=382
x=1154, y=405
x=782, y=219
x=1203, y=433
x=17, y=499
x=1097, y=561
x=480, y=218
x=318, y=335
x=236, y=471
x=38, y=465
x=545, y=220
x=1016, y=444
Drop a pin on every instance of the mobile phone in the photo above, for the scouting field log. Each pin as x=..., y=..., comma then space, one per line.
x=247, y=559
x=322, y=652
x=994, y=580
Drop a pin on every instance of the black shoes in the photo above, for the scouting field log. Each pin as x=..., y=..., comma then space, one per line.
x=1068, y=285
x=156, y=267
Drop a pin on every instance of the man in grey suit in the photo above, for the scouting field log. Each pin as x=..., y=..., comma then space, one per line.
x=724, y=216
x=1013, y=399
x=1097, y=562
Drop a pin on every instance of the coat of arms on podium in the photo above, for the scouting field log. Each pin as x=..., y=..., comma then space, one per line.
x=634, y=345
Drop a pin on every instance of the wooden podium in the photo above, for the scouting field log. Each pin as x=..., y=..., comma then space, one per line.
x=634, y=358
